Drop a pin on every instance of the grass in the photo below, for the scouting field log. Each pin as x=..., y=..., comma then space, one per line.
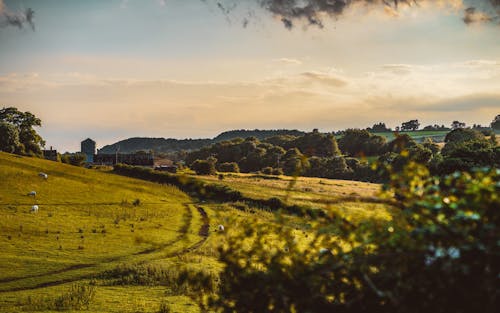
x=419, y=135
x=87, y=223
x=314, y=192
x=121, y=242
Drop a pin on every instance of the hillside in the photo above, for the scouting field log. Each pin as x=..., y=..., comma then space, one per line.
x=88, y=222
x=171, y=145
x=129, y=240
x=156, y=144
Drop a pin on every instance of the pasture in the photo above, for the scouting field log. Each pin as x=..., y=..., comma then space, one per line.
x=88, y=222
x=120, y=244
x=418, y=135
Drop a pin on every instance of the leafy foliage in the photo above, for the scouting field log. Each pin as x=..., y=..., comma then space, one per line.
x=495, y=124
x=203, y=167
x=30, y=141
x=441, y=256
x=410, y=125
x=9, y=138
x=357, y=142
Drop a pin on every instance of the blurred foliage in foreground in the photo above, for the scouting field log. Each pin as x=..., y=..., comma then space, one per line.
x=442, y=256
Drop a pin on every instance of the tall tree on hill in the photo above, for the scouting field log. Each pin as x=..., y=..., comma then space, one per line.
x=410, y=125
x=495, y=124
x=317, y=144
x=30, y=140
x=379, y=128
x=457, y=125
x=9, y=138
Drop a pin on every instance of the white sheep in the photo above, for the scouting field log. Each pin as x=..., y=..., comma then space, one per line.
x=324, y=251
x=220, y=227
x=43, y=175
x=34, y=208
x=32, y=193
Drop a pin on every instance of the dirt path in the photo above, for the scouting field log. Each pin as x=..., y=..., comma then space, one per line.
x=203, y=232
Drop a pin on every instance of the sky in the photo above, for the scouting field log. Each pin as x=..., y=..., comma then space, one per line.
x=114, y=69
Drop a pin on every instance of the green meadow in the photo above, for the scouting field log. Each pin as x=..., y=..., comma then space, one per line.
x=118, y=244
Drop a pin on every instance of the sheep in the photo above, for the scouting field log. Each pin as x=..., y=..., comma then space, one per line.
x=220, y=227
x=324, y=251
x=34, y=208
x=32, y=193
x=43, y=175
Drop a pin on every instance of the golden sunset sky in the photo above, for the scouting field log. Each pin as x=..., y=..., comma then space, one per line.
x=111, y=70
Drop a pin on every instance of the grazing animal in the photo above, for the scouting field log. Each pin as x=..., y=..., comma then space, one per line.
x=43, y=175
x=34, y=208
x=324, y=251
x=32, y=193
x=220, y=227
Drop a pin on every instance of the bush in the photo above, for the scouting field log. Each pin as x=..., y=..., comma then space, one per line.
x=229, y=167
x=203, y=167
x=78, y=297
x=441, y=255
x=277, y=171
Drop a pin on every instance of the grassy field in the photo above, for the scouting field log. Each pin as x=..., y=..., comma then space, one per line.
x=88, y=222
x=126, y=240
x=419, y=135
x=350, y=198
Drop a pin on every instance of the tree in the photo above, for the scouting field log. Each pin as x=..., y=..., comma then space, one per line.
x=379, y=128
x=358, y=142
x=463, y=134
x=440, y=255
x=203, y=167
x=411, y=125
x=401, y=143
x=24, y=122
x=229, y=167
x=317, y=144
x=294, y=163
x=457, y=125
x=495, y=124
x=9, y=138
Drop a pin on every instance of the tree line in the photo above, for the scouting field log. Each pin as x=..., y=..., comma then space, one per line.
x=318, y=154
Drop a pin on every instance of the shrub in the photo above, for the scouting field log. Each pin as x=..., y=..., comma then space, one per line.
x=229, y=167
x=277, y=171
x=77, y=297
x=267, y=170
x=203, y=167
x=164, y=308
x=440, y=256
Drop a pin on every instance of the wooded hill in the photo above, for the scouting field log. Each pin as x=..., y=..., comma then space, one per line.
x=171, y=145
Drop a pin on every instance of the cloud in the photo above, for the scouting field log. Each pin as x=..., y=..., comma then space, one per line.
x=472, y=15
x=324, y=78
x=466, y=103
x=289, y=61
x=314, y=12
x=17, y=19
x=398, y=69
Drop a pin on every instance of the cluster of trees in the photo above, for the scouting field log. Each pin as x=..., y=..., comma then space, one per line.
x=17, y=133
x=313, y=154
x=318, y=154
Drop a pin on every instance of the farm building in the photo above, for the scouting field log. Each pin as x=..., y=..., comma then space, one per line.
x=50, y=154
x=138, y=158
x=88, y=148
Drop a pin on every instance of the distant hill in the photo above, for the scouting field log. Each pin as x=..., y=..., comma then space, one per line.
x=259, y=134
x=171, y=145
x=157, y=144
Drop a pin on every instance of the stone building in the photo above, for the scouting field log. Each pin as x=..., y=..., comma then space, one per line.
x=88, y=148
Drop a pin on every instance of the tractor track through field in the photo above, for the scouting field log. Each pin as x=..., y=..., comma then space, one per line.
x=203, y=232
